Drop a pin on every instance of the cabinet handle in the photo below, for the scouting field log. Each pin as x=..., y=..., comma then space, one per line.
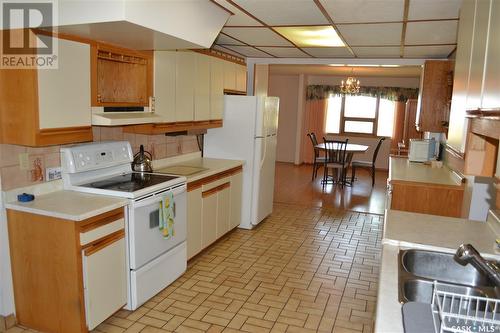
x=99, y=98
x=114, y=237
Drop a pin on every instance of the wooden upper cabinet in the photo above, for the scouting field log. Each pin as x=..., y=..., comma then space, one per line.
x=121, y=77
x=457, y=124
x=477, y=58
x=216, y=88
x=184, y=86
x=491, y=90
x=435, y=96
x=164, y=84
x=41, y=107
x=229, y=75
x=202, y=88
x=241, y=78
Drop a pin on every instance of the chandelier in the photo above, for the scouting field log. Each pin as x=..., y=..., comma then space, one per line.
x=350, y=86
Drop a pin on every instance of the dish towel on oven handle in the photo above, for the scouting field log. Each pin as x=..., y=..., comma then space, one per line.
x=167, y=216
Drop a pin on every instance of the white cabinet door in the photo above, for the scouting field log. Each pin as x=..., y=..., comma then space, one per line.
x=229, y=75
x=64, y=93
x=216, y=88
x=479, y=40
x=105, y=281
x=457, y=129
x=491, y=91
x=194, y=222
x=184, y=86
x=236, y=191
x=209, y=219
x=202, y=88
x=164, y=84
x=241, y=78
x=223, y=210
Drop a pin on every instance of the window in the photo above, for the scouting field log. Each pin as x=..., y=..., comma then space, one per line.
x=360, y=114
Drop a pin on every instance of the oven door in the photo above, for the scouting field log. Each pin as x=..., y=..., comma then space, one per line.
x=146, y=240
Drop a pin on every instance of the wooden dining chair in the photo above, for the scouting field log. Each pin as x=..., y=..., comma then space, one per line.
x=336, y=160
x=369, y=165
x=318, y=159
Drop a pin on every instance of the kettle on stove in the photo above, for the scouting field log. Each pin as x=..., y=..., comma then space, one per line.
x=143, y=161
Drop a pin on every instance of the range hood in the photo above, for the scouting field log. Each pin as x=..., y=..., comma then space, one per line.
x=143, y=24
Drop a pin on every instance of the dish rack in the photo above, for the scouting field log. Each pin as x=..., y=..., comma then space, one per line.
x=457, y=312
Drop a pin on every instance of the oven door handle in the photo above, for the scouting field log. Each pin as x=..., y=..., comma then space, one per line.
x=157, y=197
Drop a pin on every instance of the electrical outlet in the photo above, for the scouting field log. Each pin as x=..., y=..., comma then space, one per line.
x=53, y=173
x=24, y=163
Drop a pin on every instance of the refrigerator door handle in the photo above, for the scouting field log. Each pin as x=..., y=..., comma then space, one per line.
x=263, y=159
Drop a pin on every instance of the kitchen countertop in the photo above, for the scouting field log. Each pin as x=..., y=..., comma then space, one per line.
x=404, y=230
x=69, y=205
x=402, y=170
x=212, y=166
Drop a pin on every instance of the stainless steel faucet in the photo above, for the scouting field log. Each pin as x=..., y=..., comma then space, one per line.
x=467, y=254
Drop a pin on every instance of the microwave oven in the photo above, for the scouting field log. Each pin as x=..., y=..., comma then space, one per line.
x=422, y=150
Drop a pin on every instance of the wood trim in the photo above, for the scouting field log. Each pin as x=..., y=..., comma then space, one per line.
x=200, y=182
x=215, y=189
x=221, y=55
x=100, y=220
x=108, y=240
x=109, y=217
x=58, y=136
x=460, y=186
x=486, y=127
x=403, y=31
x=161, y=128
x=234, y=92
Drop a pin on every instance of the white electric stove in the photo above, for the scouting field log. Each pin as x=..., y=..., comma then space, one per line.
x=105, y=168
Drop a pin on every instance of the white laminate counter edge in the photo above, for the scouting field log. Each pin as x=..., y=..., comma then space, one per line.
x=64, y=216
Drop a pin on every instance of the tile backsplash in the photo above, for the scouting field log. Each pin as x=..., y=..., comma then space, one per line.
x=13, y=176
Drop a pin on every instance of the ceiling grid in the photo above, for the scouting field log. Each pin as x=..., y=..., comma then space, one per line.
x=367, y=28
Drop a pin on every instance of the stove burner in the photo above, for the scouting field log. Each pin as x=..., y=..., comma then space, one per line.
x=130, y=182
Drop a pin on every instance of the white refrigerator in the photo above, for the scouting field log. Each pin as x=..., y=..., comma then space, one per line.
x=249, y=132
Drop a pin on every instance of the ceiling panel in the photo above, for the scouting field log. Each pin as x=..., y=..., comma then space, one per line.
x=433, y=9
x=437, y=32
x=223, y=39
x=248, y=51
x=377, y=52
x=355, y=11
x=239, y=18
x=372, y=34
x=257, y=36
x=284, y=12
x=285, y=52
x=428, y=51
x=328, y=52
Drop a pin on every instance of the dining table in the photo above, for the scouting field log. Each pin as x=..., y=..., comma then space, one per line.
x=351, y=149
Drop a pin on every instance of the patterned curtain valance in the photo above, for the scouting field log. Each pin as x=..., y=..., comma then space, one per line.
x=391, y=93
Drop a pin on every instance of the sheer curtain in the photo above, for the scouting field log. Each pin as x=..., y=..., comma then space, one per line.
x=314, y=121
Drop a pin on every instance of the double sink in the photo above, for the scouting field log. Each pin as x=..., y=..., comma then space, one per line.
x=418, y=269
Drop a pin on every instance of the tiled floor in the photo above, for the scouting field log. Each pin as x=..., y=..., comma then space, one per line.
x=303, y=270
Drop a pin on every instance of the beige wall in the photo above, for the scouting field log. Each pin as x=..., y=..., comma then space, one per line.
x=286, y=88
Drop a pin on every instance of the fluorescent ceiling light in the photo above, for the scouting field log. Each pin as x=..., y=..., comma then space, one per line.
x=324, y=36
